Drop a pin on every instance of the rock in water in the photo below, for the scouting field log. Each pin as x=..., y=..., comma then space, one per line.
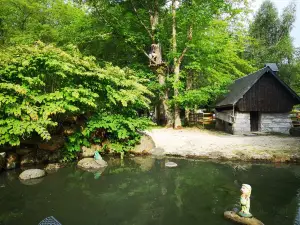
x=91, y=164
x=241, y=220
x=32, y=174
x=171, y=164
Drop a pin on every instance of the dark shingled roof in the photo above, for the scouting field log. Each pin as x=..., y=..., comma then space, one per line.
x=239, y=88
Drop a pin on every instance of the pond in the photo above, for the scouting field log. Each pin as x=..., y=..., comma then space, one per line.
x=141, y=191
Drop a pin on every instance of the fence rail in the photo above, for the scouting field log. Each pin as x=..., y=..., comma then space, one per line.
x=295, y=117
x=201, y=118
x=209, y=118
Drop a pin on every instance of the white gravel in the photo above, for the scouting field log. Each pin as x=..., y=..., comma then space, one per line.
x=195, y=142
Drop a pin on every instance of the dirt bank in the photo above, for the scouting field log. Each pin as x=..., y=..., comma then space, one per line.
x=206, y=144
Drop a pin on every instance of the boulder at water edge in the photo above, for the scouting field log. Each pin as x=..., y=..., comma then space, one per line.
x=32, y=174
x=146, y=144
x=91, y=164
x=241, y=220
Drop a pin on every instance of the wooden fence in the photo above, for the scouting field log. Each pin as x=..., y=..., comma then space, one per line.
x=295, y=116
x=209, y=118
x=201, y=118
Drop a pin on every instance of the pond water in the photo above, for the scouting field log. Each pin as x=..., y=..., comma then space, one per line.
x=141, y=191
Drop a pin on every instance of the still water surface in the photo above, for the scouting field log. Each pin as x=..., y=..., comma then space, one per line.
x=141, y=191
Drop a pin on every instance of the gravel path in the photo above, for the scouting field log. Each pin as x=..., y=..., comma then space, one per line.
x=206, y=144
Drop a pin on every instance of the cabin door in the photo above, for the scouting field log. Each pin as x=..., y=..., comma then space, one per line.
x=254, y=120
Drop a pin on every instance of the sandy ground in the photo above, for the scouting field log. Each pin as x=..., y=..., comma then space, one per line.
x=206, y=144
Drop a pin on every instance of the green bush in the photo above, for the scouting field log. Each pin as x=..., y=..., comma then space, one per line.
x=41, y=85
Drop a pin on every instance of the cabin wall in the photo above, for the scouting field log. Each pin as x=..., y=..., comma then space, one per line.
x=224, y=121
x=225, y=115
x=267, y=95
x=275, y=122
x=242, y=123
x=224, y=126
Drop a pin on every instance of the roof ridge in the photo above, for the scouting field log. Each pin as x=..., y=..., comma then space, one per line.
x=242, y=85
x=252, y=73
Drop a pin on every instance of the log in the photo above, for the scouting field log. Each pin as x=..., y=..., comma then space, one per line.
x=241, y=220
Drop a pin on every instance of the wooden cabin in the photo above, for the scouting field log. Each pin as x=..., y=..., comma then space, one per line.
x=260, y=102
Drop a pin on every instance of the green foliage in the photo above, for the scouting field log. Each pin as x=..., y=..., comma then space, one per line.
x=271, y=34
x=114, y=133
x=214, y=61
x=41, y=84
x=25, y=21
x=272, y=42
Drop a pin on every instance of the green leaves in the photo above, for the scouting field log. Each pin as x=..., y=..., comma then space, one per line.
x=272, y=41
x=40, y=84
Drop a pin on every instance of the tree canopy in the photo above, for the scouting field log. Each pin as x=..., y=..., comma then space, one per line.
x=112, y=61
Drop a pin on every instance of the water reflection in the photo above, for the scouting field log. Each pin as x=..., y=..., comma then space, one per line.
x=142, y=191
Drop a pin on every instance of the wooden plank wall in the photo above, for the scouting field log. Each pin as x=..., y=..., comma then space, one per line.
x=267, y=95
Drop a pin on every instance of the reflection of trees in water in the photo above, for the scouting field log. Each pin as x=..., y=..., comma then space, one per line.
x=297, y=217
x=9, y=189
x=142, y=191
x=296, y=170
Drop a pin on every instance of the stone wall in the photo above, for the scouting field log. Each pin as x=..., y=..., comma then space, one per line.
x=242, y=123
x=224, y=126
x=275, y=122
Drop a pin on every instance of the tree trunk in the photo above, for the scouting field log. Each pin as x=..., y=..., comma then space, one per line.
x=177, y=120
x=166, y=115
x=157, y=65
x=189, y=83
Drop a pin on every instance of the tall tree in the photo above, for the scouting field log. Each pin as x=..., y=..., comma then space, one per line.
x=51, y=21
x=143, y=30
x=271, y=34
x=188, y=17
